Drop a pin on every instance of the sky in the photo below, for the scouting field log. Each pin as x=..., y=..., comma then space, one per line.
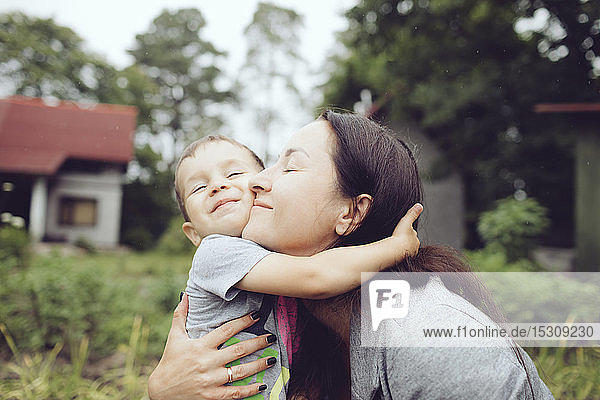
x=109, y=28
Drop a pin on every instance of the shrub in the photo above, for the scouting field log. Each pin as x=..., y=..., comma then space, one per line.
x=86, y=244
x=14, y=286
x=14, y=247
x=61, y=299
x=165, y=292
x=54, y=302
x=493, y=258
x=513, y=226
x=174, y=241
x=138, y=239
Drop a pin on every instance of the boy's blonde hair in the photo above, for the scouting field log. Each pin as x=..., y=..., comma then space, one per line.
x=191, y=149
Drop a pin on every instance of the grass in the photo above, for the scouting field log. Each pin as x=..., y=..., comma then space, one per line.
x=134, y=265
x=44, y=376
x=57, y=343
x=569, y=373
x=113, y=356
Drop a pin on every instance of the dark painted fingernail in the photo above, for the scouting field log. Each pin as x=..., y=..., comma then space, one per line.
x=255, y=315
x=262, y=387
x=180, y=296
x=271, y=360
x=271, y=338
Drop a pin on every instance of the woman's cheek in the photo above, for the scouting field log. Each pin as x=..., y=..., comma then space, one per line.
x=260, y=228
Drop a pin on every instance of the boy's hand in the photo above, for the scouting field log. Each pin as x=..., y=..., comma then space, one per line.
x=404, y=231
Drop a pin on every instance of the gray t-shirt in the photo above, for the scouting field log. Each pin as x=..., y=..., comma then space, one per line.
x=437, y=372
x=219, y=263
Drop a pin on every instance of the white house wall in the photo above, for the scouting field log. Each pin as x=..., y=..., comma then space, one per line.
x=38, y=208
x=105, y=188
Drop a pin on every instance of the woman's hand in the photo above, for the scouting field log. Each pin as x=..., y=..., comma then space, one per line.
x=195, y=368
x=404, y=231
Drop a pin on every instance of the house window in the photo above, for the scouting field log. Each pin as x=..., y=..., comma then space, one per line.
x=77, y=212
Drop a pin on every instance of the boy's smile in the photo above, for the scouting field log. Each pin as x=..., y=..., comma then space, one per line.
x=223, y=205
x=215, y=190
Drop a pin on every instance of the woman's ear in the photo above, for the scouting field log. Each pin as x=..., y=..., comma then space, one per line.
x=191, y=233
x=353, y=214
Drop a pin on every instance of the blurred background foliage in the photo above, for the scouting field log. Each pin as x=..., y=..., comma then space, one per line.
x=86, y=325
x=466, y=72
x=272, y=58
x=513, y=227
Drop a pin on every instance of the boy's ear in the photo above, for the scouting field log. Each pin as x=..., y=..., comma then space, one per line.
x=191, y=233
x=352, y=215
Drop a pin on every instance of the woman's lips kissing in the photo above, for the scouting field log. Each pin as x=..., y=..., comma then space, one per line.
x=259, y=203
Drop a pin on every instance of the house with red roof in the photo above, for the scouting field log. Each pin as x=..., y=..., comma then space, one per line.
x=62, y=166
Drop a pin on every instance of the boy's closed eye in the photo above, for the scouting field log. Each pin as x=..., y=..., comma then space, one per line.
x=197, y=189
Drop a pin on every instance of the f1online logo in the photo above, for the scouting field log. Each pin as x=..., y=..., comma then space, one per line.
x=388, y=299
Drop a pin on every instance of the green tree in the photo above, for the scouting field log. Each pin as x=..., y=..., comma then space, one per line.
x=570, y=32
x=39, y=58
x=185, y=69
x=458, y=70
x=272, y=60
x=148, y=203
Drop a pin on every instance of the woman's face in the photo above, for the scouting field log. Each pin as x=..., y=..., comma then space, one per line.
x=297, y=203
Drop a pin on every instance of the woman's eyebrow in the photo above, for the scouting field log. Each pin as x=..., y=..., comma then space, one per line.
x=288, y=152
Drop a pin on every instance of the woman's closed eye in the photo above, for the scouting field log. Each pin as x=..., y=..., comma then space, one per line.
x=236, y=173
x=291, y=167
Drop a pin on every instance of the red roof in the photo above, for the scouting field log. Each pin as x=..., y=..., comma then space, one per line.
x=36, y=138
x=566, y=107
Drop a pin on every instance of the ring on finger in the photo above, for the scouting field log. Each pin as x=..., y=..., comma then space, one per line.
x=229, y=375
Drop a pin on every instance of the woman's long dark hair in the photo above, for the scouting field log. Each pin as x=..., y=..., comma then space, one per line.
x=369, y=158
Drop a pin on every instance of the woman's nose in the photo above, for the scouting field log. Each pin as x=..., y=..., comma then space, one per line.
x=261, y=181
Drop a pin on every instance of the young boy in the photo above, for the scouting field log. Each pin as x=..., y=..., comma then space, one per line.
x=211, y=185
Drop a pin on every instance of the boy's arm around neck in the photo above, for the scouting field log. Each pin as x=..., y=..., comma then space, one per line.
x=333, y=271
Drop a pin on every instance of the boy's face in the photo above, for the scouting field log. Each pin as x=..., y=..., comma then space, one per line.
x=215, y=189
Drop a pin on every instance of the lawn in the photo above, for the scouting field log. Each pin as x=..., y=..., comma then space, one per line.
x=94, y=326
x=87, y=324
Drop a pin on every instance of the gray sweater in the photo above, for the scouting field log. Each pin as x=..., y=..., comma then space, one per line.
x=438, y=372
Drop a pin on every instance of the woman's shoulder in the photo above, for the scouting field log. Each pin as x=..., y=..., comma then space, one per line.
x=451, y=372
x=484, y=372
x=410, y=366
x=435, y=317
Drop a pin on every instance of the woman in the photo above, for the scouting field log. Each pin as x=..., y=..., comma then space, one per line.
x=343, y=156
